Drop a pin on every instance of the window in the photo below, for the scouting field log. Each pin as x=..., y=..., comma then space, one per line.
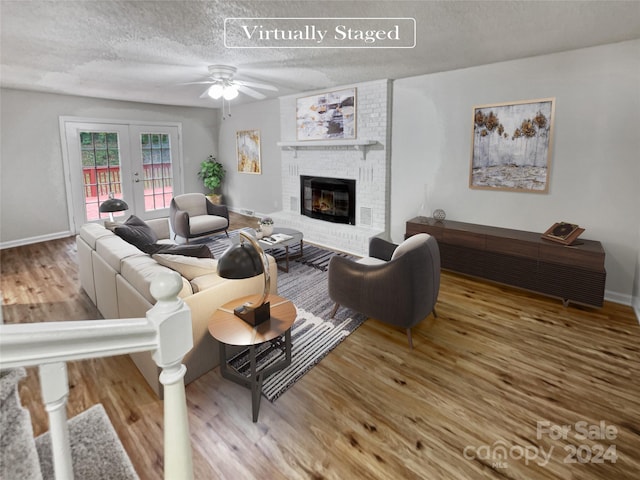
x=100, y=170
x=157, y=170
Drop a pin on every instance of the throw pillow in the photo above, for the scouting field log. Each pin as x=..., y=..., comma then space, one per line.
x=201, y=251
x=136, y=232
x=188, y=267
x=109, y=225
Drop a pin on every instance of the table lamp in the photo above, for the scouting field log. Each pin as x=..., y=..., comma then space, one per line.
x=113, y=204
x=245, y=260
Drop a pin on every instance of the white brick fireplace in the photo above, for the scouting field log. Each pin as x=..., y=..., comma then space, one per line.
x=368, y=165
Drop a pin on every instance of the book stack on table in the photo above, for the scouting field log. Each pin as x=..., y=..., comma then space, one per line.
x=276, y=238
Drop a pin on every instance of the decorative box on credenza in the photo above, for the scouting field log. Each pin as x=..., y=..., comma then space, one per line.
x=574, y=273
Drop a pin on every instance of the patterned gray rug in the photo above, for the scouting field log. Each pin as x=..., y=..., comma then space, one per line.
x=313, y=334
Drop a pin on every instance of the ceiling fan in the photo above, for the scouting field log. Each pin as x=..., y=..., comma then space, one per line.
x=225, y=85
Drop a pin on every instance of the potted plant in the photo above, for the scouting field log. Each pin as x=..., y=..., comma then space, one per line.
x=212, y=173
x=266, y=226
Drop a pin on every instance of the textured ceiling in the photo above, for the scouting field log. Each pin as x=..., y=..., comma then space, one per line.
x=145, y=50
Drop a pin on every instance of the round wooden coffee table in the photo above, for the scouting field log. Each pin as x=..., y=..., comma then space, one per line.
x=228, y=329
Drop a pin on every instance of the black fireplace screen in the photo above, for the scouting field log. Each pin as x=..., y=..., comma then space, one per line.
x=330, y=199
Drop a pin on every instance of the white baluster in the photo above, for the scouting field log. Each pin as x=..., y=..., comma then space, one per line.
x=172, y=319
x=55, y=391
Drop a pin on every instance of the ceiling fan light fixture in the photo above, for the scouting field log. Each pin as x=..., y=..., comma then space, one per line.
x=224, y=86
x=230, y=92
x=216, y=91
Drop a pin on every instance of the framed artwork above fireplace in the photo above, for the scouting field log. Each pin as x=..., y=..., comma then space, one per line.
x=327, y=116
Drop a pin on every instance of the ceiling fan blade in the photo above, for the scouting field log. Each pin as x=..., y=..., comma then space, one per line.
x=251, y=92
x=205, y=94
x=205, y=82
x=262, y=86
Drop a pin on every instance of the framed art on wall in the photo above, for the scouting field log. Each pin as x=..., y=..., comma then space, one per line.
x=327, y=116
x=511, y=145
x=248, y=150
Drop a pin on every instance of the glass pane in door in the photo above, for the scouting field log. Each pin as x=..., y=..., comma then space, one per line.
x=100, y=171
x=157, y=170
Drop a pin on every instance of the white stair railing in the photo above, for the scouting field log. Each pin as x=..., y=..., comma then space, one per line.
x=166, y=331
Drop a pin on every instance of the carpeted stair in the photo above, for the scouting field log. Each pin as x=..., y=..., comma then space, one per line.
x=96, y=451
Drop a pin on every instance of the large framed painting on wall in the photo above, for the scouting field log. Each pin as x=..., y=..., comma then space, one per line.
x=511, y=145
x=327, y=116
x=248, y=149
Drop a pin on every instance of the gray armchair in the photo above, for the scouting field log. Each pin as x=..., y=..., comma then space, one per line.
x=396, y=284
x=192, y=215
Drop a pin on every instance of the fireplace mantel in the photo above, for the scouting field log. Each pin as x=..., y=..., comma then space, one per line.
x=361, y=145
x=365, y=159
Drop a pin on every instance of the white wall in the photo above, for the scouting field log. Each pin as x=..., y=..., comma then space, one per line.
x=595, y=167
x=260, y=193
x=636, y=288
x=33, y=197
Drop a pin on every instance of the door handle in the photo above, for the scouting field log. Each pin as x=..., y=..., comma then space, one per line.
x=136, y=179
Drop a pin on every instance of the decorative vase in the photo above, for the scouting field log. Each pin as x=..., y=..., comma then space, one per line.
x=267, y=230
x=423, y=211
x=439, y=214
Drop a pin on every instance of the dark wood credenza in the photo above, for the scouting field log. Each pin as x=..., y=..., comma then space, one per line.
x=573, y=273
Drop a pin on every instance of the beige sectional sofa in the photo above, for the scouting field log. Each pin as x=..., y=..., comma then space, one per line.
x=116, y=276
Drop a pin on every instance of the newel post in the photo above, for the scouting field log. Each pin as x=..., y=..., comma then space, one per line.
x=172, y=319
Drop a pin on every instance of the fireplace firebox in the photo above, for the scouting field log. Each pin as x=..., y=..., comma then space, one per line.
x=329, y=199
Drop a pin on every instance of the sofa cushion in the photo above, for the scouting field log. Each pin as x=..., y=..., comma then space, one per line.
x=139, y=271
x=201, y=251
x=136, y=232
x=188, y=267
x=91, y=232
x=109, y=225
x=198, y=284
x=206, y=223
x=204, y=282
x=113, y=249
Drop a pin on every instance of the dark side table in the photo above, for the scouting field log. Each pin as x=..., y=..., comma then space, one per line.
x=228, y=329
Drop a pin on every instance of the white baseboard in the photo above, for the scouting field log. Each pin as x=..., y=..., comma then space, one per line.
x=636, y=307
x=41, y=238
x=616, y=297
x=248, y=211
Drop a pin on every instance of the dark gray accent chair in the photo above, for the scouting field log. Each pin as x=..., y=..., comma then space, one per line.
x=192, y=215
x=396, y=284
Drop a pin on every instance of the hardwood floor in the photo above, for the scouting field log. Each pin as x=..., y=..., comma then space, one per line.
x=495, y=363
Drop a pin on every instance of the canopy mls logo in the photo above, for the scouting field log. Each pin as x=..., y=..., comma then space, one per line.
x=320, y=32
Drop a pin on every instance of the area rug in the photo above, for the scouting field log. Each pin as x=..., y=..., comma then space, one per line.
x=313, y=335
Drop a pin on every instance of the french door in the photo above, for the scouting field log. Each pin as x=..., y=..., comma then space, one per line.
x=137, y=163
